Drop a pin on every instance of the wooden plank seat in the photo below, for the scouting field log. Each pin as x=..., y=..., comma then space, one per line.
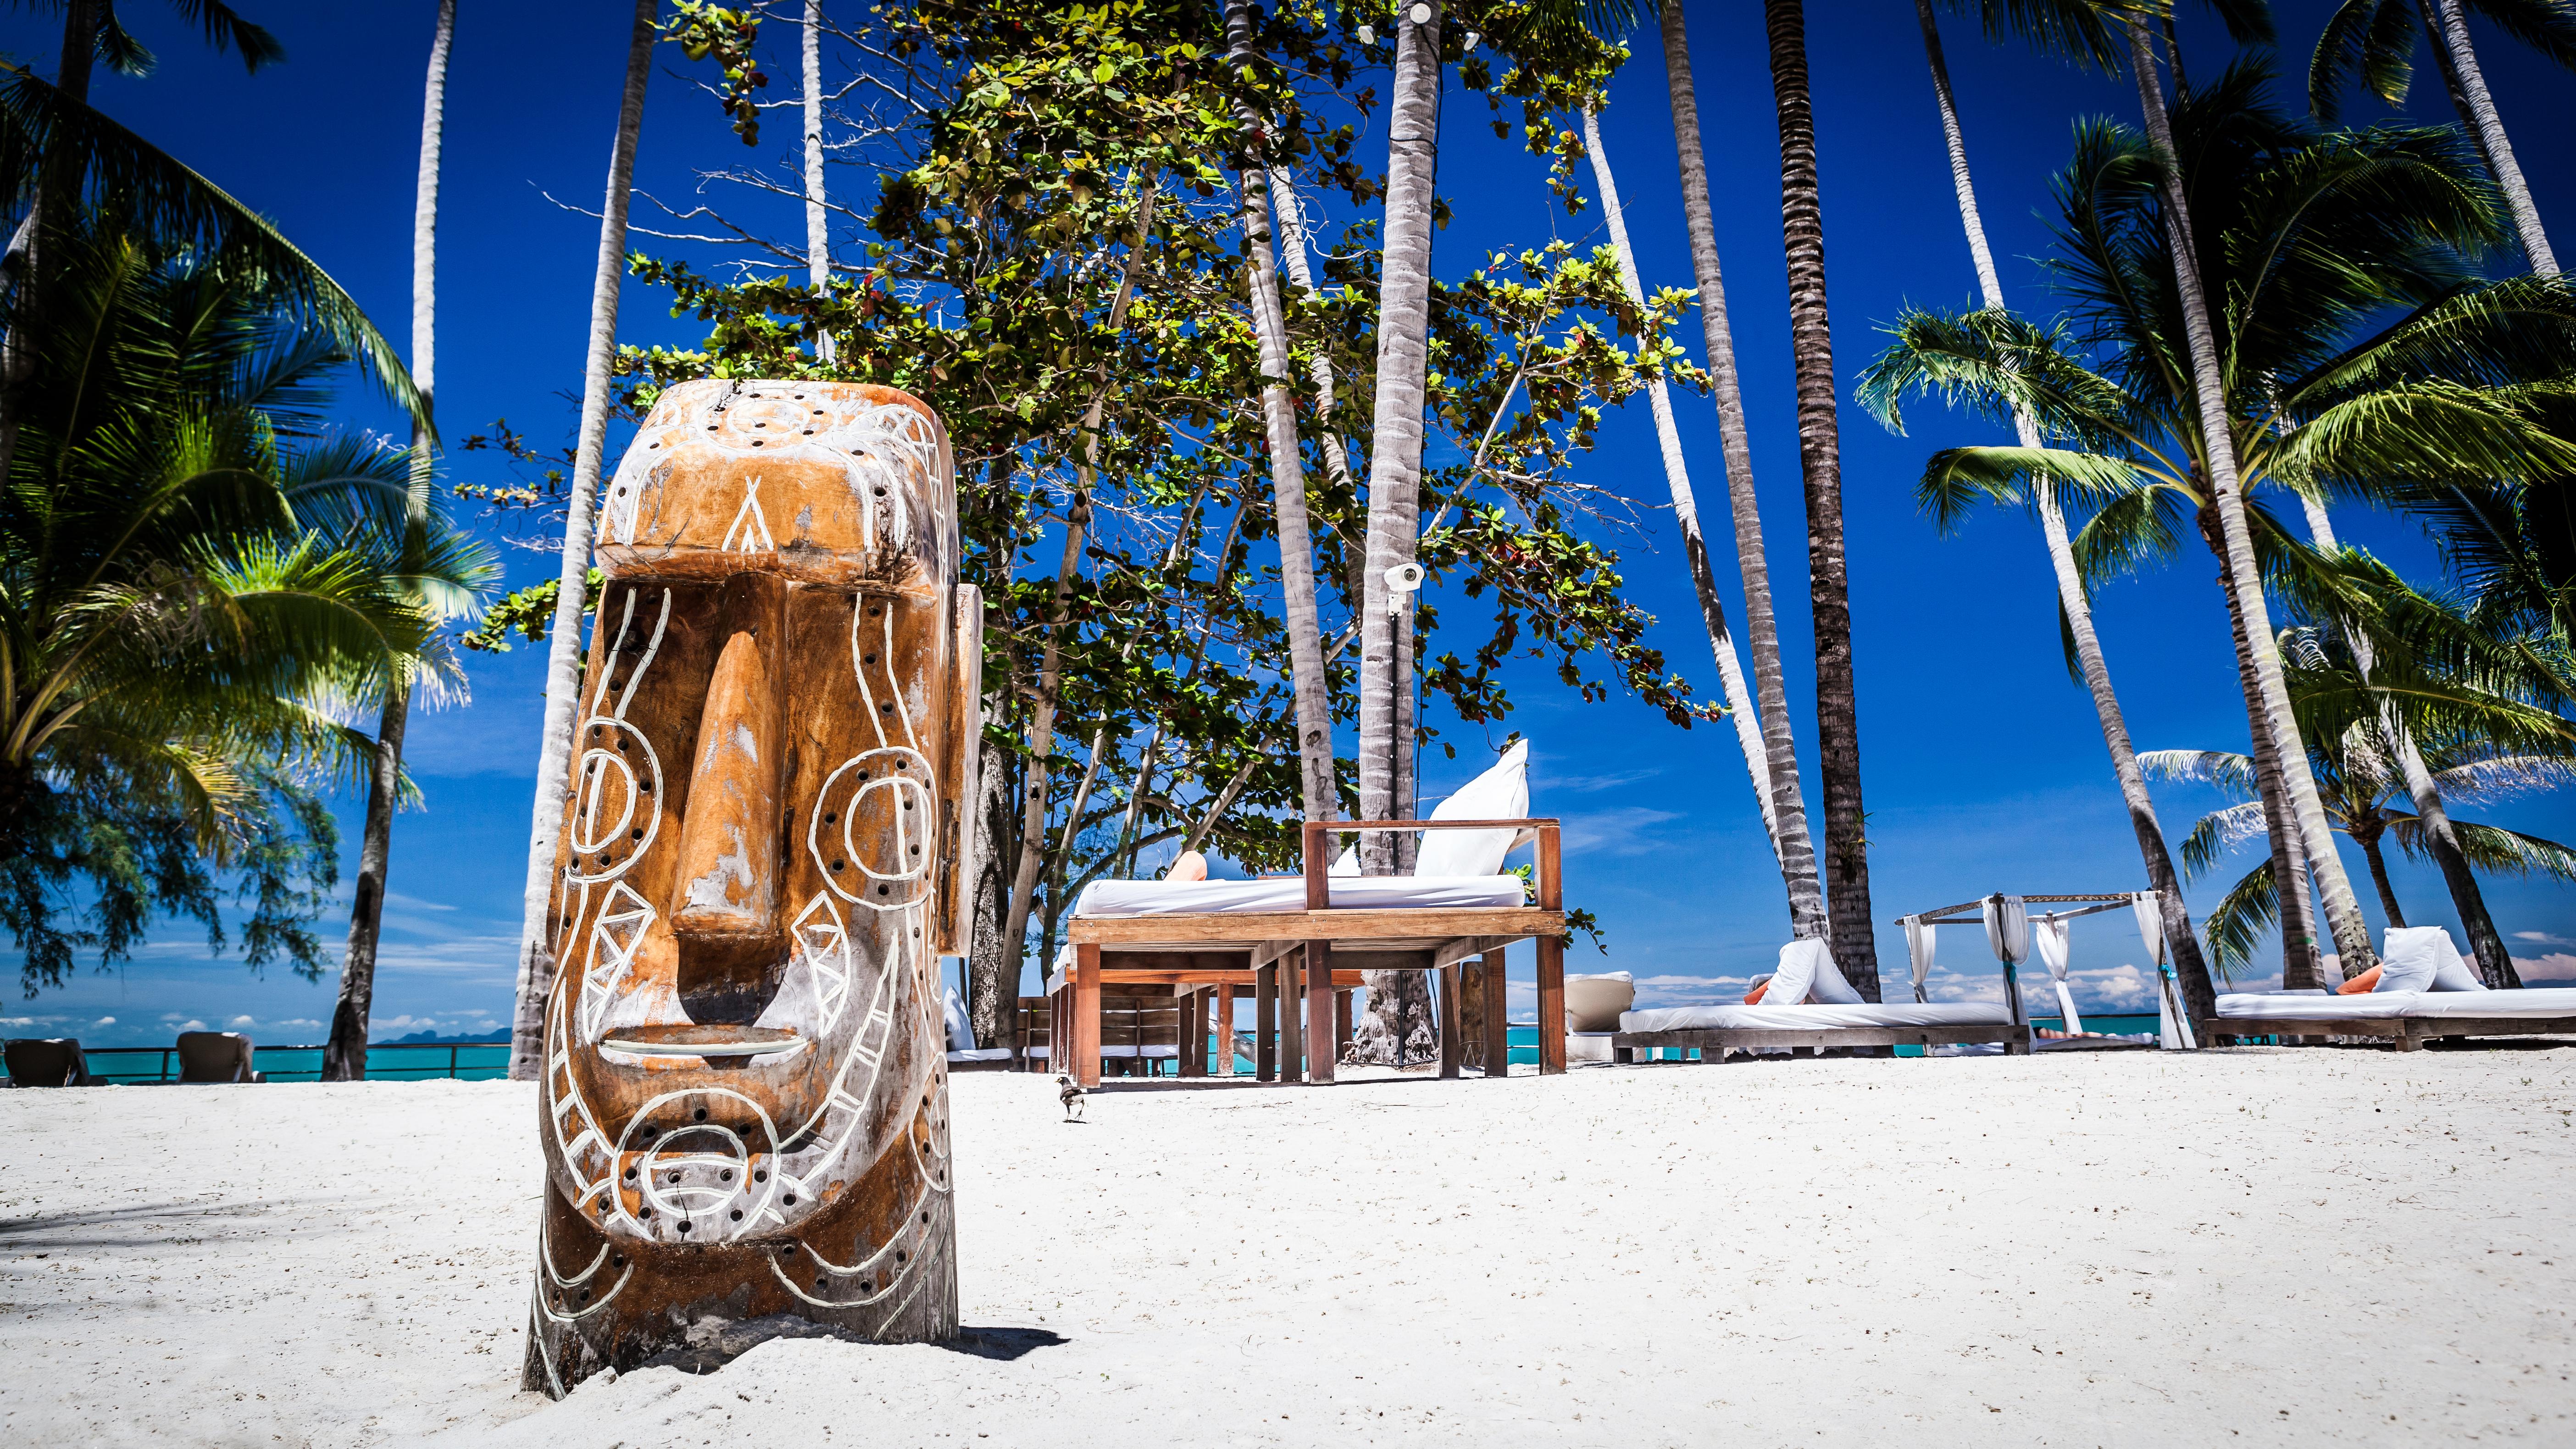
x=1714, y=1043
x=1315, y=956
x=2405, y=1033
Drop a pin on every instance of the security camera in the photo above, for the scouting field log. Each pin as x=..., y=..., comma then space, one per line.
x=1404, y=578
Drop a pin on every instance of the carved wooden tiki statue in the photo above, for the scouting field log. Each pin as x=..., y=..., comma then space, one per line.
x=745, y=1106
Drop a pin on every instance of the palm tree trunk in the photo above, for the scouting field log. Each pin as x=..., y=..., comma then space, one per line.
x=344, y=1057
x=2449, y=31
x=563, y=649
x=19, y=265
x=2369, y=842
x=2495, y=960
x=992, y=969
x=1403, y=360
x=1313, y=699
x=1015, y=921
x=1712, y=610
x=2299, y=965
x=818, y=227
x=1802, y=229
x=2343, y=911
x=1788, y=812
x=2200, y=997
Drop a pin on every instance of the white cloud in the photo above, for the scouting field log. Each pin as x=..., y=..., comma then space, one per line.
x=17, y=1021
x=2119, y=986
x=104, y=1021
x=1584, y=784
x=2556, y=966
x=294, y=1021
x=173, y=1015
x=2542, y=938
x=242, y=1021
x=189, y=1025
x=1627, y=830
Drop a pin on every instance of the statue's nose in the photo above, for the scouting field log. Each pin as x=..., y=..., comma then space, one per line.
x=728, y=853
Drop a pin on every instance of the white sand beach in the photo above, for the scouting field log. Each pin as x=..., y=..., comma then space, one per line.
x=2277, y=1246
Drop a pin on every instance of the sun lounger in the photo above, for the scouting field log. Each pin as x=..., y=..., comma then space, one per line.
x=1716, y=1030
x=55, y=1061
x=2451, y=1003
x=216, y=1056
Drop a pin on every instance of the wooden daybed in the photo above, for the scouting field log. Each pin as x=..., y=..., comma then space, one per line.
x=1317, y=954
x=2409, y=1031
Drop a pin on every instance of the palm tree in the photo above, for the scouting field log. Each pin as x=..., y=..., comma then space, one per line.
x=344, y=1056
x=1788, y=811
x=1403, y=364
x=2366, y=789
x=52, y=142
x=2316, y=240
x=194, y=594
x=563, y=647
x=818, y=226
x=2375, y=40
x=1313, y=696
x=1721, y=642
x=2075, y=29
x=1846, y=859
x=2209, y=388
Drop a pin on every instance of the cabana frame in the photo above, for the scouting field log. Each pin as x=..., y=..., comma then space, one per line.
x=1317, y=954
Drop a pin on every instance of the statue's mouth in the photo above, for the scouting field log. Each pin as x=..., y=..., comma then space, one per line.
x=719, y=1045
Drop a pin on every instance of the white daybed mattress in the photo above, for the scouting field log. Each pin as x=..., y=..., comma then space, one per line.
x=1812, y=1017
x=1288, y=893
x=2528, y=1001
x=2319, y=1005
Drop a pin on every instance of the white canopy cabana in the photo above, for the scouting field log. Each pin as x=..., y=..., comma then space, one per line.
x=2012, y=932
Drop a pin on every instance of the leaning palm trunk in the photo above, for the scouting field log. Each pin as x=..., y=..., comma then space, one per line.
x=344, y=1057
x=563, y=649
x=1788, y=812
x=1802, y=230
x=1403, y=360
x=2343, y=911
x=2449, y=32
x=2368, y=838
x=17, y=362
x=818, y=229
x=1712, y=610
x=1033, y=810
x=2189, y=966
x=1287, y=468
x=2300, y=968
x=2495, y=961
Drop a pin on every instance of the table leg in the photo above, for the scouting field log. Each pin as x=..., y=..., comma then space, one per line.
x=1292, y=1035
x=1265, y=1011
x=1321, y=1029
x=1453, y=1043
x=1498, y=1023
x=1551, y=1006
x=1341, y=1024
x=1086, y=1015
x=1189, y=1010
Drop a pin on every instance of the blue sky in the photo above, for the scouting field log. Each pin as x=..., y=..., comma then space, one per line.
x=1984, y=768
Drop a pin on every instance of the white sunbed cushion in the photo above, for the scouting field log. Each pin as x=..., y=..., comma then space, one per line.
x=2529, y=1001
x=982, y=1054
x=2316, y=1006
x=1288, y=893
x=1810, y=1018
x=2410, y=961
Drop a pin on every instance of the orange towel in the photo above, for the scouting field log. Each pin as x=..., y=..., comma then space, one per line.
x=2362, y=984
x=1754, y=997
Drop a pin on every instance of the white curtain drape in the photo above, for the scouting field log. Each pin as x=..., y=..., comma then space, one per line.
x=2173, y=1028
x=2050, y=935
x=1918, y=949
x=2008, y=929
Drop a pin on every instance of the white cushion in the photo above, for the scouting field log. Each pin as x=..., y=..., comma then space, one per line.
x=981, y=1054
x=2316, y=1006
x=1501, y=793
x=1767, y=1017
x=2410, y=961
x=1796, y=976
x=2530, y=1001
x=1828, y=986
x=2450, y=973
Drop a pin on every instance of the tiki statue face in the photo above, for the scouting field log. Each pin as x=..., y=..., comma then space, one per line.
x=745, y=1093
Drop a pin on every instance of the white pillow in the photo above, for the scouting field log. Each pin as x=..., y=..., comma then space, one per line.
x=1797, y=973
x=1348, y=863
x=2410, y=960
x=1829, y=988
x=2450, y=973
x=961, y=1032
x=1501, y=793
